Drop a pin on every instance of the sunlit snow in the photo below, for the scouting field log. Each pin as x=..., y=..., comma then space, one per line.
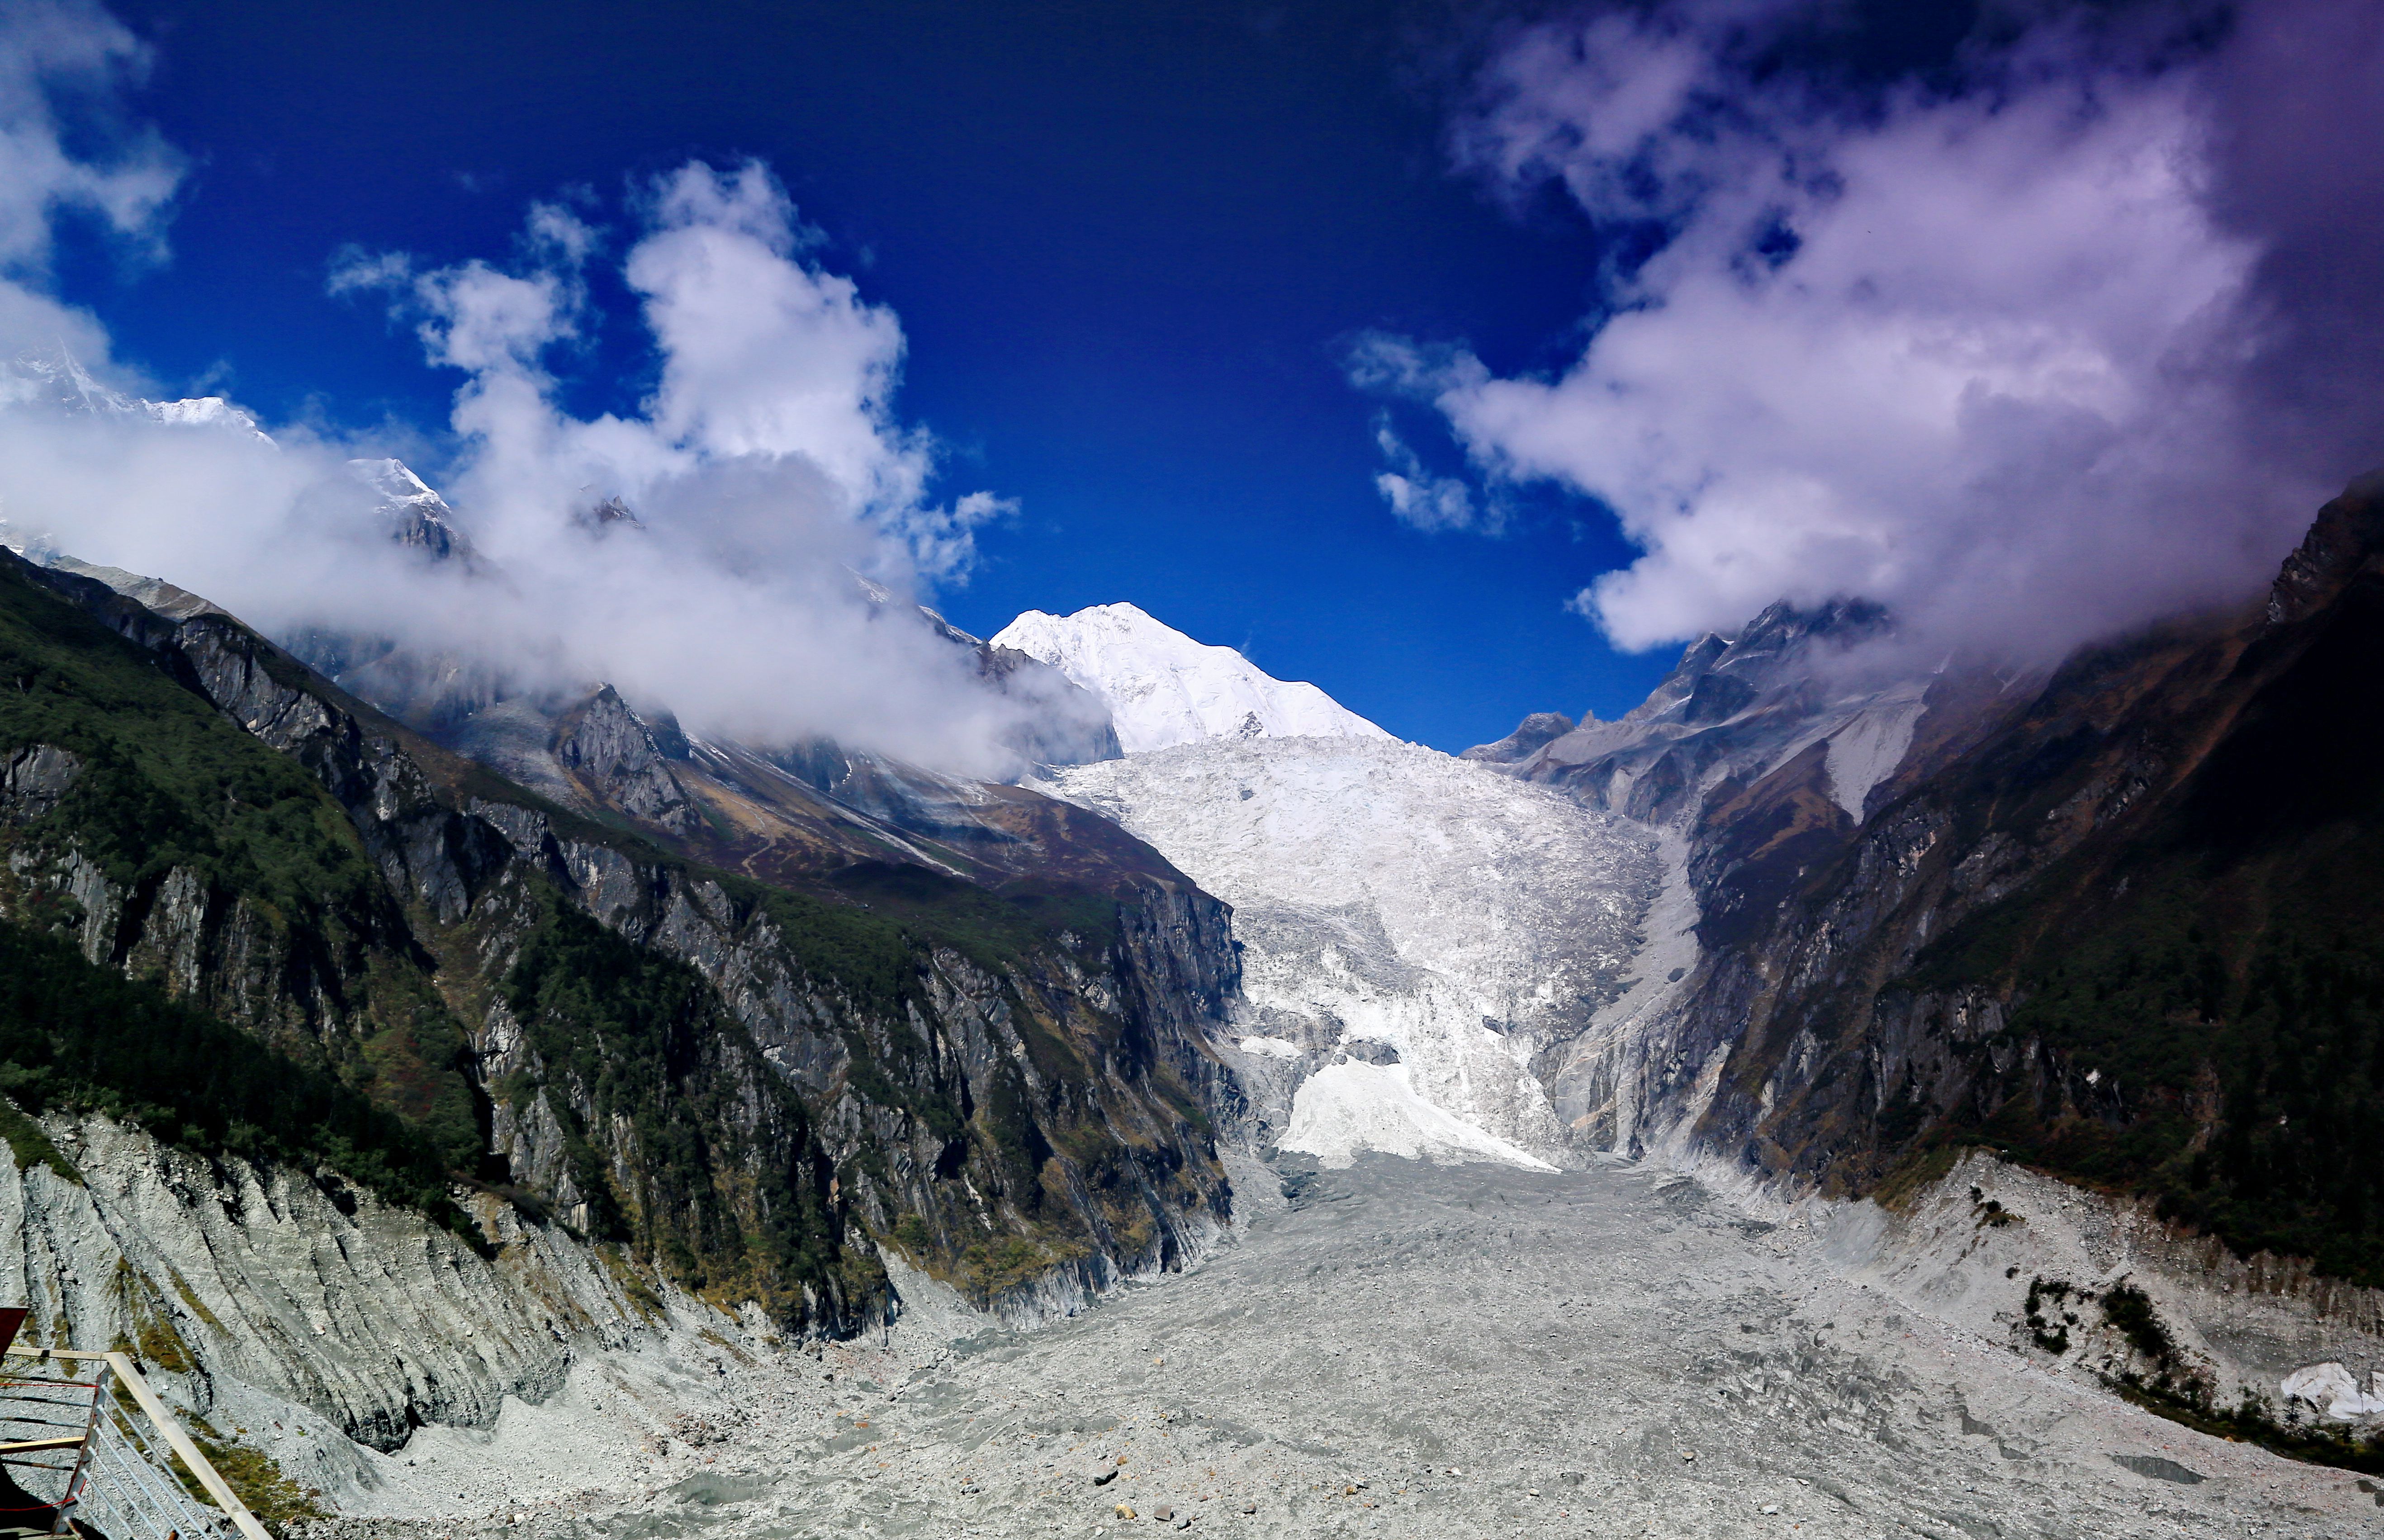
x=1164, y=688
x=1346, y=1108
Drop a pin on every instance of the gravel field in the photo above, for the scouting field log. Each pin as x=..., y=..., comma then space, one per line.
x=1402, y=1350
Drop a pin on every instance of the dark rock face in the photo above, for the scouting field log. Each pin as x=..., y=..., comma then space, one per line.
x=2116, y=923
x=999, y=1088
x=1533, y=733
x=1728, y=705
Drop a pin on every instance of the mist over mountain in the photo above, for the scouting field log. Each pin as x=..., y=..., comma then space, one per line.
x=2044, y=340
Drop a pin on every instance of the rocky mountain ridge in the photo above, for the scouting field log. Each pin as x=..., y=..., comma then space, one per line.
x=2111, y=922
x=733, y=1092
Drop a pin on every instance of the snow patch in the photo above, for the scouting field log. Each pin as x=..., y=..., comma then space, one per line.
x=2331, y=1388
x=1274, y=1048
x=1866, y=751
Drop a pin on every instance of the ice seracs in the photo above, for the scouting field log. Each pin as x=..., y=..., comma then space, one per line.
x=2333, y=1392
x=1419, y=934
x=1162, y=688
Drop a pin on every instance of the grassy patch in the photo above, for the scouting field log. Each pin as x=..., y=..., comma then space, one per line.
x=189, y=1297
x=32, y=1145
x=994, y=1267
x=153, y=1342
x=1914, y=1175
x=257, y=1480
x=719, y=1177
x=2252, y=1422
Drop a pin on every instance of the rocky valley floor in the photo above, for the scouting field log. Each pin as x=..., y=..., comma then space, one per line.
x=1400, y=1350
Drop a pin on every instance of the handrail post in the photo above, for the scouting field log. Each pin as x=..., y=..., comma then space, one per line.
x=80, y=1474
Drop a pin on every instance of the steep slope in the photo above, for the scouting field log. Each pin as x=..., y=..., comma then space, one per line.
x=1420, y=936
x=2128, y=936
x=1162, y=688
x=1733, y=708
x=747, y=1088
x=793, y=811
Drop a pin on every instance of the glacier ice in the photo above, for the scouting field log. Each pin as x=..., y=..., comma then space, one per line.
x=1395, y=904
x=1346, y=1108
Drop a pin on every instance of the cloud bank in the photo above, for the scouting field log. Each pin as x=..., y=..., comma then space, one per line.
x=2068, y=340
x=765, y=469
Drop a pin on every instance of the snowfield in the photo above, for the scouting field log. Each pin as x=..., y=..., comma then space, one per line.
x=1418, y=930
x=1162, y=688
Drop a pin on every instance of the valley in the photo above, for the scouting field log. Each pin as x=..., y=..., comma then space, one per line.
x=1401, y=1349
x=1315, y=771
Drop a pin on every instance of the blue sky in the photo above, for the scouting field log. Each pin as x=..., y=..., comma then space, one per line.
x=2032, y=322
x=1130, y=248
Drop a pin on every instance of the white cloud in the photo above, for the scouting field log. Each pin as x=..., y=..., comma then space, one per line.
x=766, y=468
x=1417, y=497
x=73, y=51
x=56, y=54
x=1974, y=353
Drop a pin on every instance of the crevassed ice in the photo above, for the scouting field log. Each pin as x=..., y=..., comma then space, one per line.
x=1344, y=1109
x=1388, y=893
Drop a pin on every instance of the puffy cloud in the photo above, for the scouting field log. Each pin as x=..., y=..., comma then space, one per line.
x=768, y=361
x=59, y=57
x=766, y=470
x=1989, y=353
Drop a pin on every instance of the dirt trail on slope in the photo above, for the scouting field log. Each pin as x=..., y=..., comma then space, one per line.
x=1407, y=1350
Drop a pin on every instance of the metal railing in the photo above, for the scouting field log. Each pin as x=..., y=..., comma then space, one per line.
x=70, y=1442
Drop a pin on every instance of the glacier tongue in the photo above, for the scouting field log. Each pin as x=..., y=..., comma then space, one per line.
x=1419, y=932
x=1162, y=688
x=1346, y=1108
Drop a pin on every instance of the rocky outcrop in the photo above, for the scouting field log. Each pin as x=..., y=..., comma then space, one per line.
x=1535, y=733
x=1734, y=707
x=605, y=742
x=832, y=1076
x=33, y=779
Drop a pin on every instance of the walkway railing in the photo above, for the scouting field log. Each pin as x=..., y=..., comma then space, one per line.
x=68, y=1441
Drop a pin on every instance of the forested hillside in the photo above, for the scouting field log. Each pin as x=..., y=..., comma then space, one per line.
x=253, y=915
x=2126, y=930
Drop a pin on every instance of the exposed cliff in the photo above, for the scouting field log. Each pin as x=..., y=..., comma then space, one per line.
x=2118, y=925
x=748, y=1088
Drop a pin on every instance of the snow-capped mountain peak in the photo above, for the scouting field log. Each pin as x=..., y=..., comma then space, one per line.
x=416, y=515
x=1162, y=688
x=56, y=381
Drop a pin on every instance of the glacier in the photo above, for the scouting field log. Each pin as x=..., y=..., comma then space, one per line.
x=1419, y=934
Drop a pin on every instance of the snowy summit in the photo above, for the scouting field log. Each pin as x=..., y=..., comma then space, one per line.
x=1162, y=688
